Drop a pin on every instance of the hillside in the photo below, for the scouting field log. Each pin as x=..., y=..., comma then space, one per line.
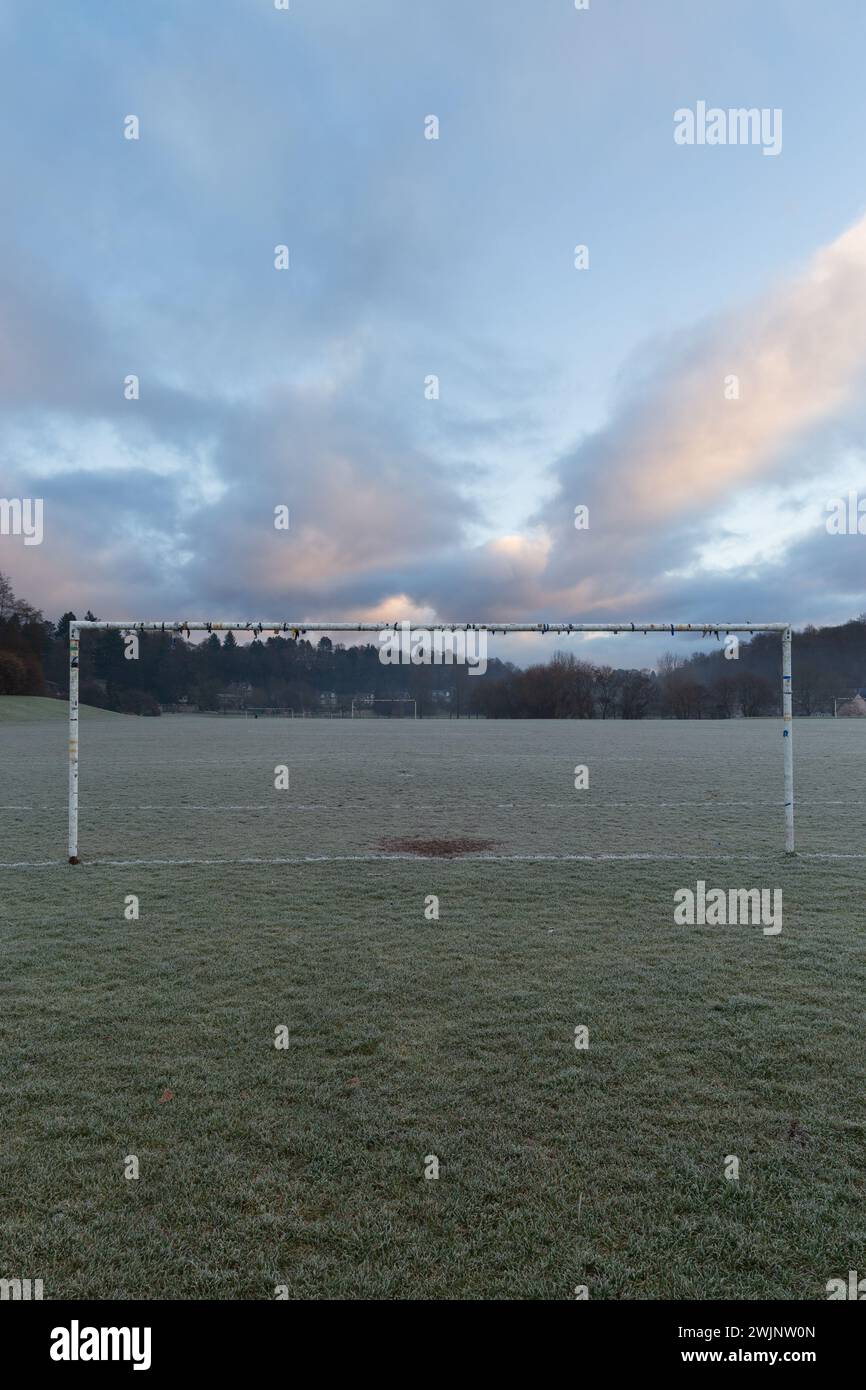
x=34, y=709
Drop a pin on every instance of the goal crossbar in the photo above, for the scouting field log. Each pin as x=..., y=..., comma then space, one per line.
x=300, y=629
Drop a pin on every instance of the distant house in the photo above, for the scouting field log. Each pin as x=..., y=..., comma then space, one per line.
x=235, y=697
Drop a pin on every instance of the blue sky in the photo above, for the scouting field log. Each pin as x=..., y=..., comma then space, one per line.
x=411, y=257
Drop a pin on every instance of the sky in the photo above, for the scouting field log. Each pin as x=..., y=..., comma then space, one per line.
x=697, y=383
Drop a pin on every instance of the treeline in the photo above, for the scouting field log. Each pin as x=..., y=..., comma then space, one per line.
x=273, y=671
x=829, y=663
x=286, y=672
x=566, y=688
x=270, y=672
x=26, y=641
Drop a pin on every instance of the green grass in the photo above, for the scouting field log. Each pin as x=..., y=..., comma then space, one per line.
x=411, y=1037
x=33, y=709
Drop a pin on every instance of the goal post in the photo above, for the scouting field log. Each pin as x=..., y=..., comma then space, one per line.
x=299, y=629
x=360, y=704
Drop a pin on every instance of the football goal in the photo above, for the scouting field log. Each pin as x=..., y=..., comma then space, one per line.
x=384, y=706
x=130, y=629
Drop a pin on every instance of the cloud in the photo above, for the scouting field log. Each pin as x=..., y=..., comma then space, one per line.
x=174, y=496
x=677, y=450
x=407, y=259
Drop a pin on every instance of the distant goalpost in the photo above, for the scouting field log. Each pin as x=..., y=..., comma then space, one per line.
x=359, y=705
x=296, y=629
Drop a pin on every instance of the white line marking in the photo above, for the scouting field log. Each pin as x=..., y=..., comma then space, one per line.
x=370, y=858
x=433, y=806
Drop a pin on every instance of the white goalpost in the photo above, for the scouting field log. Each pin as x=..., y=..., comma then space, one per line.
x=296, y=629
x=361, y=704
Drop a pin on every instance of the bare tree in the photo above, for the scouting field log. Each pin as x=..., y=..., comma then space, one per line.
x=606, y=683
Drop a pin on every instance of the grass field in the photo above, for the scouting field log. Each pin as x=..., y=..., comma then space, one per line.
x=35, y=709
x=304, y=1167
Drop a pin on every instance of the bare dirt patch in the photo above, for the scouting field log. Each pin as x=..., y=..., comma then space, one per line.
x=436, y=849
